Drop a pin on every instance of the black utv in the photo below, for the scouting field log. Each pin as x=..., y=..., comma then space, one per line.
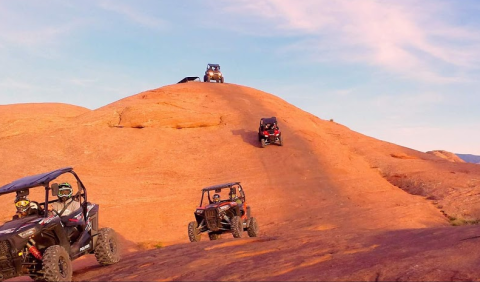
x=43, y=244
x=223, y=209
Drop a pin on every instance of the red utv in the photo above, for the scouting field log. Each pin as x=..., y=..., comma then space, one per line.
x=222, y=209
x=269, y=132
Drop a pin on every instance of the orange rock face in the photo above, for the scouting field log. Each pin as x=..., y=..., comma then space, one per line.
x=332, y=204
x=446, y=155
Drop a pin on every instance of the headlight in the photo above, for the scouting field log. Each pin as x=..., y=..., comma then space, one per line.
x=210, y=73
x=28, y=233
x=222, y=208
x=219, y=74
x=199, y=211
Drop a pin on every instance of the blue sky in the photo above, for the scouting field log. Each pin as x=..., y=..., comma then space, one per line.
x=406, y=72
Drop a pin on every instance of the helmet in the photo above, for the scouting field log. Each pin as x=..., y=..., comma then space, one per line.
x=216, y=198
x=22, y=203
x=65, y=191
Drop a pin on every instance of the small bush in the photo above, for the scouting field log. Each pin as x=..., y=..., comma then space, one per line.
x=461, y=221
x=150, y=245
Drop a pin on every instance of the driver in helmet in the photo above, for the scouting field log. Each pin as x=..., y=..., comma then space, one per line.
x=66, y=204
x=24, y=207
x=216, y=198
x=234, y=198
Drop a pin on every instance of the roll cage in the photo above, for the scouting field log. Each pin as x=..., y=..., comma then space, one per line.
x=232, y=186
x=212, y=66
x=43, y=180
x=265, y=121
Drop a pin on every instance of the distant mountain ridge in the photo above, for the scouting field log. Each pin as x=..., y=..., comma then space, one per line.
x=469, y=158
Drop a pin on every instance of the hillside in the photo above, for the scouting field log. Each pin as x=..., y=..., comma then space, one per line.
x=328, y=199
x=446, y=155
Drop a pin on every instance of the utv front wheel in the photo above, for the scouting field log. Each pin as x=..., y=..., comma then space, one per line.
x=252, y=229
x=56, y=264
x=280, y=140
x=222, y=79
x=193, y=233
x=107, y=251
x=237, y=227
x=263, y=143
x=213, y=236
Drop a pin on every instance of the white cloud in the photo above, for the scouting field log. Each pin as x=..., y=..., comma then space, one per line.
x=82, y=81
x=429, y=137
x=32, y=31
x=130, y=13
x=408, y=101
x=410, y=38
x=34, y=36
x=51, y=25
x=9, y=83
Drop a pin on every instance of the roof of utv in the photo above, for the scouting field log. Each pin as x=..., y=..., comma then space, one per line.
x=214, y=65
x=33, y=180
x=219, y=186
x=269, y=120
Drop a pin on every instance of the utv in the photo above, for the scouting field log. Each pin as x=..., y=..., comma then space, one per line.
x=269, y=133
x=224, y=212
x=213, y=73
x=43, y=244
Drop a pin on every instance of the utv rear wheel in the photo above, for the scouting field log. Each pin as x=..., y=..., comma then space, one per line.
x=213, y=236
x=222, y=79
x=252, y=227
x=237, y=227
x=107, y=251
x=280, y=140
x=193, y=233
x=263, y=143
x=56, y=264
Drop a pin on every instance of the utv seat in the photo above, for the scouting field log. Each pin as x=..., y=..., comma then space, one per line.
x=74, y=224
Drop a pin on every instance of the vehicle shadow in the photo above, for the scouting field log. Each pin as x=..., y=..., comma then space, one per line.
x=85, y=264
x=248, y=136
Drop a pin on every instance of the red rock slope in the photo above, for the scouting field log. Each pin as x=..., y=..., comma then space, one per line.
x=328, y=199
